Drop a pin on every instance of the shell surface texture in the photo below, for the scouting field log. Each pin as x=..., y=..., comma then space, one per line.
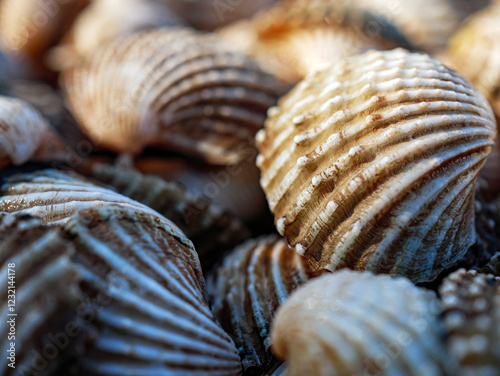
x=245, y=291
x=174, y=89
x=371, y=164
x=350, y=323
x=471, y=315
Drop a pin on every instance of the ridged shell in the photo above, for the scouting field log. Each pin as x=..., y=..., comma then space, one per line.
x=105, y=20
x=212, y=230
x=293, y=37
x=46, y=294
x=245, y=291
x=149, y=304
x=350, y=323
x=471, y=305
x=371, y=163
x=25, y=135
x=175, y=89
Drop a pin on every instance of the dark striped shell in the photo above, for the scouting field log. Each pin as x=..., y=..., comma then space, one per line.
x=175, y=89
x=245, y=291
x=471, y=310
x=350, y=323
x=371, y=163
x=212, y=230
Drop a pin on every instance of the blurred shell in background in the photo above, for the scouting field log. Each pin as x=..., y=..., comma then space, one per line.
x=105, y=20
x=245, y=291
x=371, y=164
x=465, y=8
x=43, y=295
x=348, y=323
x=25, y=135
x=212, y=230
x=175, y=89
x=471, y=304
x=147, y=299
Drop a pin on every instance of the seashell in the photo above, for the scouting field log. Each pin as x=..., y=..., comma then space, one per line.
x=54, y=196
x=245, y=291
x=465, y=8
x=189, y=94
x=212, y=230
x=350, y=323
x=471, y=315
x=493, y=265
x=44, y=285
x=29, y=27
x=105, y=20
x=149, y=304
x=234, y=188
x=293, y=37
x=371, y=164
x=25, y=135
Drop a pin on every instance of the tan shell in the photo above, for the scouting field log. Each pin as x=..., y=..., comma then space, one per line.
x=148, y=303
x=348, y=323
x=212, y=230
x=175, y=89
x=25, y=135
x=371, y=164
x=471, y=305
x=245, y=291
x=293, y=37
x=46, y=294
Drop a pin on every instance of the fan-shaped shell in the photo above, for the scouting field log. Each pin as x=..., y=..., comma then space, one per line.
x=471, y=305
x=152, y=317
x=41, y=294
x=350, y=323
x=245, y=291
x=175, y=89
x=371, y=163
x=212, y=230
x=25, y=135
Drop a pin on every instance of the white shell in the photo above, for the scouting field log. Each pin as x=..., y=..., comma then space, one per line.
x=347, y=323
x=370, y=163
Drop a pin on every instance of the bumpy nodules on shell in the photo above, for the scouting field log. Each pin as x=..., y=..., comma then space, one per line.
x=187, y=93
x=245, y=291
x=471, y=309
x=345, y=323
x=25, y=135
x=294, y=37
x=147, y=299
x=212, y=230
x=40, y=296
x=371, y=164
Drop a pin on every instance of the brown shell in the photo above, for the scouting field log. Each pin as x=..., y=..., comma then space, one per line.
x=371, y=163
x=245, y=291
x=42, y=295
x=471, y=309
x=212, y=230
x=175, y=89
x=25, y=135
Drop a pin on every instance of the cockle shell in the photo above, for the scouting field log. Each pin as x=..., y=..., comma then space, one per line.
x=471, y=305
x=370, y=163
x=149, y=308
x=293, y=37
x=245, y=291
x=212, y=230
x=350, y=323
x=25, y=135
x=175, y=89
x=46, y=295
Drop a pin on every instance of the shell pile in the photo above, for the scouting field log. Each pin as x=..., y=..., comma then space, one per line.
x=371, y=163
x=471, y=309
x=188, y=94
x=257, y=188
x=245, y=291
x=324, y=328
